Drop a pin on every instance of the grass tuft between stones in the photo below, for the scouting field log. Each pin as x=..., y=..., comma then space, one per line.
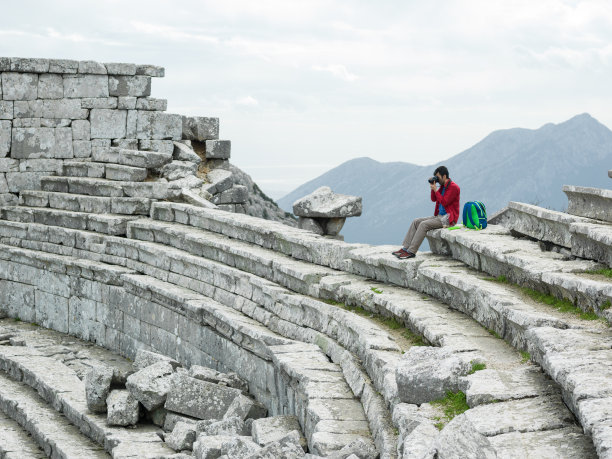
x=606, y=272
x=453, y=405
x=477, y=367
x=376, y=290
x=560, y=305
x=525, y=356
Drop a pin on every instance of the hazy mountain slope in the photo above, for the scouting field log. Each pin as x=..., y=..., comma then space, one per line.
x=508, y=165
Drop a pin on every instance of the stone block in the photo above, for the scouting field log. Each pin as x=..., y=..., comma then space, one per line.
x=210, y=447
x=50, y=86
x=40, y=165
x=149, y=103
x=311, y=224
x=23, y=64
x=324, y=203
x=131, y=127
x=19, y=86
x=3, y=185
x=81, y=130
x=26, y=122
x=41, y=143
x=288, y=446
x=100, y=102
x=108, y=124
x=200, y=128
x=138, y=85
x=172, y=419
x=178, y=170
x=5, y=66
x=146, y=358
x=9, y=165
x=150, y=386
x=218, y=149
x=97, y=387
x=125, y=144
x=227, y=426
x=236, y=195
x=183, y=152
x=199, y=399
x=158, y=126
x=150, y=70
x=182, y=437
x=92, y=67
x=125, y=173
x=55, y=122
x=52, y=311
x=268, y=430
x=63, y=66
x=123, y=409
x=64, y=108
x=126, y=103
x=240, y=448
x=162, y=146
x=5, y=137
x=81, y=148
x=6, y=109
x=28, y=108
x=90, y=86
x=19, y=181
x=114, y=68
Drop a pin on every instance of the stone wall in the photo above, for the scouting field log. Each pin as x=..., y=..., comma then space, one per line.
x=54, y=110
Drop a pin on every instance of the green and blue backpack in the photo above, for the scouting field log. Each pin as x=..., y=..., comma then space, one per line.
x=475, y=215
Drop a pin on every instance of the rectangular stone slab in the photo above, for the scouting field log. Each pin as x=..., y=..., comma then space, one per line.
x=200, y=399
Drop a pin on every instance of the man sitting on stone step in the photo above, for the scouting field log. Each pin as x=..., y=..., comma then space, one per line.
x=446, y=213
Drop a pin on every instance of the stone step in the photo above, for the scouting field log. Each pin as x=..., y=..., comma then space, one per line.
x=110, y=188
x=496, y=252
x=104, y=170
x=542, y=224
x=56, y=385
x=52, y=431
x=134, y=158
x=16, y=442
x=84, y=203
x=592, y=241
x=297, y=243
x=101, y=223
x=587, y=202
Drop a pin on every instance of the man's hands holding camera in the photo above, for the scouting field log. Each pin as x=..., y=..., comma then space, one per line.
x=432, y=183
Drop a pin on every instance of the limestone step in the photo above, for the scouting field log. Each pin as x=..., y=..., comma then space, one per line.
x=542, y=224
x=110, y=188
x=496, y=252
x=297, y=243
x=58, y=386
x=84, y=203
x=103, y=170
x=134, y=158
x=102, y=223
x=593, y=241
x=587, y=202
x=52, y=431
x=16, y=442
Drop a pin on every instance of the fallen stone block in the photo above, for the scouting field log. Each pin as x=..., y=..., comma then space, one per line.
x=228, y=426
x=173, y=418
x=200, y=128
x=288, y=447
x=146, y=358
x=182, y=437
x=218, y=149
x=421, y=442
x=178, y=170
x=361, y=447
x=184, y=152
x=125, y=173
x=268, y=430
x=97, y=387
x=246, y=408
x=240, y=448
x=210, y=447
x=200, y=399
x=150, y=386
x=428, y=373
x=123, y=409
x=324, y=203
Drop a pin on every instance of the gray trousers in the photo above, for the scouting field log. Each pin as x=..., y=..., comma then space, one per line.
x=418, y=229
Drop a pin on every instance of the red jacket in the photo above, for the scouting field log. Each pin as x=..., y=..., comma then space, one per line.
x=450, y=201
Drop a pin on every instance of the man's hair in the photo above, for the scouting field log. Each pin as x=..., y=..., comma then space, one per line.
x=442, y=170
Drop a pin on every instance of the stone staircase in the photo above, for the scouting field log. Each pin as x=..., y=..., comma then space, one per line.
x=262, y=285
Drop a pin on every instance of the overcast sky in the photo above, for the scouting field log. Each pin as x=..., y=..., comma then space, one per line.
x=301, y=87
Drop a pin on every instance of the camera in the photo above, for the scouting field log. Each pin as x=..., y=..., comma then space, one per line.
x=433, y=180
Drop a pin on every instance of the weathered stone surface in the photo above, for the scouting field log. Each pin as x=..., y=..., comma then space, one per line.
x=218, y=149
x=92, y=67
x=240, y=448
x=89, y=86
x=115, y=68
x=104, y=102
x=311, y=224
x=6, y=110
x=227, y=426
x=158, y=125
x=182, y=437
x=146, y=358
x=81, y=130
x=420, y=443
x=41, y=143
x=427, y=373
x=288, y=447
x=28, y=109
x=97, y=387
x=151, y=385
x=33, y=65
x=199, y=399
x=50, y=86
x=63, y=108
x=150, y=70
x=161, y=146
x=123, y=409
x=268, y=430
x=589, y=202
x=361, y=447
x=200, y=128
x=137, y=86
x=108, y=124
x=134, y=158
x=592, y=241
x=183, y=152
x=149, y=103
x=235, y=195
x=125, y=173
x=63, y=66
x=5, y=137
x=126, y=103
x=178, y=170
x=19, y=86
x=207, y=447
x=195, y=198
x=172, y=419
x=323, y=202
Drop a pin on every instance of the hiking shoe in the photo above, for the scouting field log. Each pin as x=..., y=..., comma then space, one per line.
x=397, y=252
x=404, y=255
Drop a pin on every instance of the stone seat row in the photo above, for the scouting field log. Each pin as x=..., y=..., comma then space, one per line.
x=315, y=382
x=452, y=339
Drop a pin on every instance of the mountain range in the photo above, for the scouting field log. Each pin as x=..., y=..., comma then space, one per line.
x=526, y=165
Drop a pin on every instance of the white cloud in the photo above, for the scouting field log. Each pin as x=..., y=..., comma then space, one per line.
x=337, y=70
